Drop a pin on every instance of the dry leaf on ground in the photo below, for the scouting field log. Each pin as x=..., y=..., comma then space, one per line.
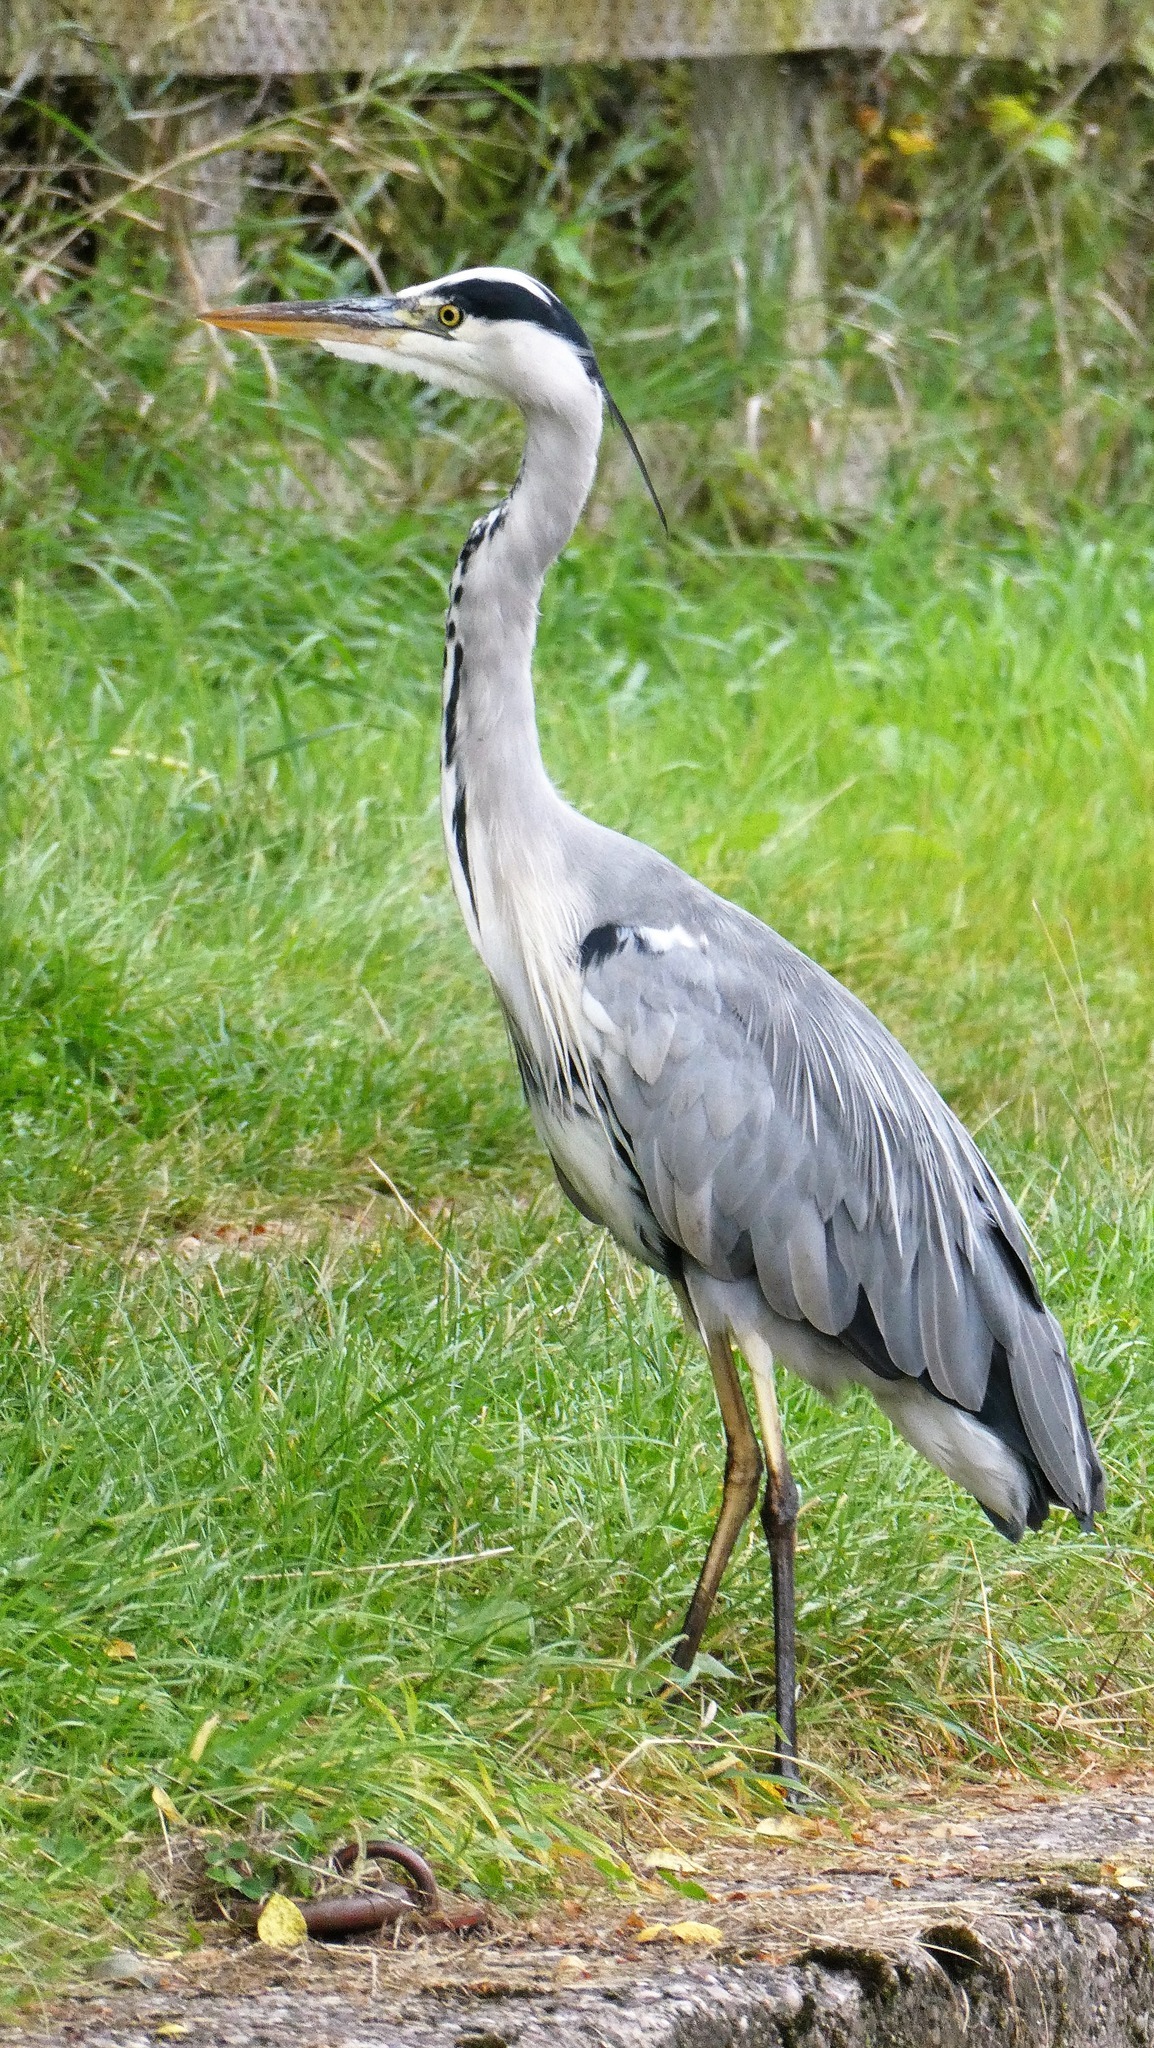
x=689, y=1931
x=1125, y=1875
x=165, y=1807
x=675, y=1864
x=781, y=1827
x=281, y=1923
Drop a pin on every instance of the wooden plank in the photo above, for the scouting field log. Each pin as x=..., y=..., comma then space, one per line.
x=277, y=37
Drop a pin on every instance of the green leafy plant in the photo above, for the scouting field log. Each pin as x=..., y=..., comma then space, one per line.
x=238, y=1868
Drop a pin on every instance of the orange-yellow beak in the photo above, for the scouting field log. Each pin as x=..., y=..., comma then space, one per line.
x=316, y=320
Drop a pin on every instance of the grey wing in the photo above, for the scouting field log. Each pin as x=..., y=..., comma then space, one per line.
x=778, y=1130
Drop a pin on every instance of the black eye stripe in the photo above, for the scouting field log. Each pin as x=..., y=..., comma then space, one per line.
x=491, y=298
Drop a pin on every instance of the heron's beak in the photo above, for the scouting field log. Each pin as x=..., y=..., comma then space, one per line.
x=317, y=320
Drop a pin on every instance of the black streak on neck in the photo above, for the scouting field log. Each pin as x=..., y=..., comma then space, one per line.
x=451, y=702
x=461, y=842
x=483, y=529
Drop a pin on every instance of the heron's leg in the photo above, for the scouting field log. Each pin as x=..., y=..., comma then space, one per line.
x=742, y=1473
x=779, y=1520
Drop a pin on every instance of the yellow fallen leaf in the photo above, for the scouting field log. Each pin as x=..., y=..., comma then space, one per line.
x=1008, y=115
x=689, y=1931
x=203, y=1737
x=171, y=2031
x=696, y=1931
x=781, y=1827
x=281, y=1923
x=165, y=1807
x=676, y=1865
x=119, y=1651
x=1124, y=1875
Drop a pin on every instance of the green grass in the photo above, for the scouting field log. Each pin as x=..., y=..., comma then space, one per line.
x=233, y=985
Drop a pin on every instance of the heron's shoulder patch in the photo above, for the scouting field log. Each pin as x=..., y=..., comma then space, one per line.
x=606, y=941
x=602, y=943
x=666, y=938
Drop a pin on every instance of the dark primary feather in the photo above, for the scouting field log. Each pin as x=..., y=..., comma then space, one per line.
x=779, y=1130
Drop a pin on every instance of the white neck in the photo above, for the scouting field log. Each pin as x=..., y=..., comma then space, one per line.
x=501, y=814
x=505, y=825
x=493, y=609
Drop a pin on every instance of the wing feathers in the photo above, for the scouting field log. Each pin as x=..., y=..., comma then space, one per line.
x=774, y=1124
x=649, y=1041
x=771, y=1260
x=1052, y=1413
x=955, y=1342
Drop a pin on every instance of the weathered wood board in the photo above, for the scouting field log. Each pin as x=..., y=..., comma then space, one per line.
x=232, y=38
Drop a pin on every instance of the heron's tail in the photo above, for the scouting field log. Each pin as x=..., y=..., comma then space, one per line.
x=1032, y=1401
x=1001, y=1414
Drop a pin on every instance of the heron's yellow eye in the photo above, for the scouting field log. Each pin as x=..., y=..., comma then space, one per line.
x=450, y=316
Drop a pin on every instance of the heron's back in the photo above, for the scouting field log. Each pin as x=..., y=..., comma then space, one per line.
x=751, y=1116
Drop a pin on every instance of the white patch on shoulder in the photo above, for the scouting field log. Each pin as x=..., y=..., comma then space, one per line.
x=659, y=941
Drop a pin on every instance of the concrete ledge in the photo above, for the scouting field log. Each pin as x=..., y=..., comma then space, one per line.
x=1068, y=1971
x=1004, y=1921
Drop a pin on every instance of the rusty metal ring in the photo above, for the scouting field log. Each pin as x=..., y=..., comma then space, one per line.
x=364, y=1912
x=409, y=1860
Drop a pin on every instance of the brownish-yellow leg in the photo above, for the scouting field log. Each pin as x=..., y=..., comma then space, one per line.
x=742, y=1473
x=779, y=1520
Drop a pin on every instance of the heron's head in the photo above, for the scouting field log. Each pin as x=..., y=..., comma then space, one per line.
x=489, y=333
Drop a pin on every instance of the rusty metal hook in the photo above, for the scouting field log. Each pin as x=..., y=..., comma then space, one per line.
x=410, y=1861
x=364, y=1912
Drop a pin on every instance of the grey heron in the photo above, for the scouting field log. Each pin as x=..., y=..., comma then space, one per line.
x=733, y=1115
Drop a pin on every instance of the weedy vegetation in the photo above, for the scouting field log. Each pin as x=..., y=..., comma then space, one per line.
x=349, y=1477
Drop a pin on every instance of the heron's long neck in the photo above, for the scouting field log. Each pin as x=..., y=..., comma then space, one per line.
x=496, y=797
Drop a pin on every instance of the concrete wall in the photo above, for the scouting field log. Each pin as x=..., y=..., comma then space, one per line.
x=267, y=37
